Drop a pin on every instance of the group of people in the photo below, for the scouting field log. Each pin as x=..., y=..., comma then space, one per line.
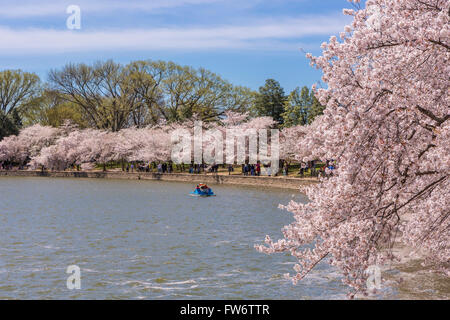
x=315, y=170
x=252, y=169
x=247, y=169
x=165, y=167
x=9, y=166
x=6, y=166
x=214, y=168
x=203, y=188
x=197, y=168
x=160, y=167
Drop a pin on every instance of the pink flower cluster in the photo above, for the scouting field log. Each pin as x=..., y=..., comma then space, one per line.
x=387, y=124
x=59, y=148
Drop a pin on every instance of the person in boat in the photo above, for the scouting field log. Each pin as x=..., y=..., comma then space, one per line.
x=203, y=188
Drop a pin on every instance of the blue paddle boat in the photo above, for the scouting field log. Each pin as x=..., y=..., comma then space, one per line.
x=202, y=190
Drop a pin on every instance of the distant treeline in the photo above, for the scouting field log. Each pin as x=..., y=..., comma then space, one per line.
x=112, y=96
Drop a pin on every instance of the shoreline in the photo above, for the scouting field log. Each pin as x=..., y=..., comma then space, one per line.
x=272, y=182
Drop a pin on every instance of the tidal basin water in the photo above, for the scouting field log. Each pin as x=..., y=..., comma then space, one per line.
x=146, y=240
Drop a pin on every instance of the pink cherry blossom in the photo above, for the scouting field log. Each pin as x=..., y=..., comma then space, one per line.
x=387, y=124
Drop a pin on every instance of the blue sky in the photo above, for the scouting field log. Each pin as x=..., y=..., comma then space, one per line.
x=244, y=41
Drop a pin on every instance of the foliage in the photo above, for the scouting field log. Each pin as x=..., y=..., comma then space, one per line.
x=270, y=100
x=301, y=108
x=113, y=97
x=51, y=109
x=17, y=90
x=7, y=125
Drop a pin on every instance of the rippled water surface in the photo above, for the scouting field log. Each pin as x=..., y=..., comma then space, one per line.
x=146, y=240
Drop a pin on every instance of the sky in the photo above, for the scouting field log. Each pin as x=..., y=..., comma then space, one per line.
x=244, y=41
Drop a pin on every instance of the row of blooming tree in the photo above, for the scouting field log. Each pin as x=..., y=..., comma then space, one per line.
x=387, y=123
x=60, y=148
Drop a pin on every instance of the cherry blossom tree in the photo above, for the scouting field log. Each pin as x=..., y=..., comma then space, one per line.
x=60, y=148
x=234, y=118
x=93, y=146
x=387, y=124
x=98, y=148
x=289, y=139
x=75, y=148
x=150, y=144
x=28, y=143
x=240, y=127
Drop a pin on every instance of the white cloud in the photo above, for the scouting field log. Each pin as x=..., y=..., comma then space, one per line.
x=270, y=35
x=26, y=9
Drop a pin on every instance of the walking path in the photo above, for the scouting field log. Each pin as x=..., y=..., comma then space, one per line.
x=261, y=181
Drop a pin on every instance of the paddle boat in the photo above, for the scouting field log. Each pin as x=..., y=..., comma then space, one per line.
x=202, y=190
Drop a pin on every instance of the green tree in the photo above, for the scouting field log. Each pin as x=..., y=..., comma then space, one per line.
x=18, y=91
x=316, y=108
x=102, y=91
x=301, y=107
x=297, y=107
x=270, y=100
x=112, y=96
x=187, y=91
x=9, y=124
x=50, y=109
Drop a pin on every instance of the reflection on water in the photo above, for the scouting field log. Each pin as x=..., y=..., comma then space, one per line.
x=146, y=240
